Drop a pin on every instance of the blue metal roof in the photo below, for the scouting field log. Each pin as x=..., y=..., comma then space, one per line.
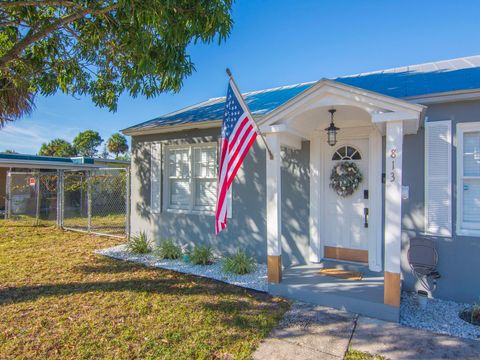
x=55, y=159
x=24, y=157
x=403, y=82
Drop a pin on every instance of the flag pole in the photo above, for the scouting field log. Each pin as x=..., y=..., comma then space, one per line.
x=270, y=154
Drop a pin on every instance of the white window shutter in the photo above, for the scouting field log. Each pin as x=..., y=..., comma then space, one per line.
x=155, y=178
x=438, y=178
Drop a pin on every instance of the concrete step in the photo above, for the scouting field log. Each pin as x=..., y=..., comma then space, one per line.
x=348, y=303
x=346, y=265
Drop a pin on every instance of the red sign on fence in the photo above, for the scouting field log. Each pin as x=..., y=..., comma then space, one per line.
x=31, y=181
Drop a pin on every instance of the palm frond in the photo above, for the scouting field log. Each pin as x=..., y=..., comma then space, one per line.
x=16, y=101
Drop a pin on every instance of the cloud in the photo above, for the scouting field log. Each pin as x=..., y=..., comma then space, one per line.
x=26, y=136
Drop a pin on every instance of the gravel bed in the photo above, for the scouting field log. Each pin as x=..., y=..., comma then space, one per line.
x=256, y=280
x=439, y=316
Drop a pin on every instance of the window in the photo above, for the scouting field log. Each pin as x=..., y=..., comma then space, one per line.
x=346, y=153
x=468, y=179
x=191, y=177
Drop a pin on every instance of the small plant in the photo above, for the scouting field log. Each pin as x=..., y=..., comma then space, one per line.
x=240, y=263
x=139, y=244
x=201, y=255
x=475, y=315
x=471, y=314
x=169, y=250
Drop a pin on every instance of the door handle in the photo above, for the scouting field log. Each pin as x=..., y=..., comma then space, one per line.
x=365, y=217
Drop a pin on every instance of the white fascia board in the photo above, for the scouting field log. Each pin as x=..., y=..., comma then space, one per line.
x=173, y=128
x=394, y=116
x=450, y=96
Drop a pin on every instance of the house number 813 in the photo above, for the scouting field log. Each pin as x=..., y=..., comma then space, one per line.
x=393, y=155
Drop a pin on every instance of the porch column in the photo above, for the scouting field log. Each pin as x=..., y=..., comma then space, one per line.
x=393, y=212
x=274, y=223
x=316, y=250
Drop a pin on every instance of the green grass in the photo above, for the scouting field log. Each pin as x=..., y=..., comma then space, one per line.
x=60, y=301
x=113, y=224
x=358, y=355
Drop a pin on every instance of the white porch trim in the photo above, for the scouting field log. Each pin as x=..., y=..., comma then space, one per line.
x=378, y=115
x=316, y=183
x=274, y=209
x=393, y=212
x=375, y=201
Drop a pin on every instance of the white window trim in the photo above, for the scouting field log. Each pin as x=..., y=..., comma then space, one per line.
x=166, y=183
x=426, y=177
x=156, y=167
x=463, y=128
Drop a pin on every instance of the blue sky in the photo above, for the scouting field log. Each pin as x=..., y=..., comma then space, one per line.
x=274, y=43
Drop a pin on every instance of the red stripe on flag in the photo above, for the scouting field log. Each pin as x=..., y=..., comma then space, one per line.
x=237, y=133
x=240, y=161
x=233, y=156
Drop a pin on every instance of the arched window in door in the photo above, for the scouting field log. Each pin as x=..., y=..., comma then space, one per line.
x=346, y=153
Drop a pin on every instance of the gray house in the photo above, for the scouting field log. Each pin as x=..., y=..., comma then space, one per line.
x=413, y=134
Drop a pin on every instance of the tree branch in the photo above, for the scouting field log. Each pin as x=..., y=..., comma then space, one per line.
x=11, y=4
x=31, y=37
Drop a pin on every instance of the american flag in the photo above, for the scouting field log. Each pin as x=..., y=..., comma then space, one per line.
x=239, y=131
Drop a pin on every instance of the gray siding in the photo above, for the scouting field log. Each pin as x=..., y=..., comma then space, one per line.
x=295, y=205
x=246, y=229
x=459, y=255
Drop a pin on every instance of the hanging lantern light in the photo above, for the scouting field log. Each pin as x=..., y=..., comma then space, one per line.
x=332, y=130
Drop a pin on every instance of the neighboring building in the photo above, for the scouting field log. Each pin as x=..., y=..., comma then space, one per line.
x=25, y=163
x=414, y=133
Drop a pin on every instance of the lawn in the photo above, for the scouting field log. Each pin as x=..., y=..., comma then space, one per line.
x=59, y=300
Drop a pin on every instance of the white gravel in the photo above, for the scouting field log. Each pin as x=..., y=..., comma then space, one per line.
x=256, y=280
x=439, y=316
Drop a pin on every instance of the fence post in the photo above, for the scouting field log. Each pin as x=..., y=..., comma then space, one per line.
x=8, y=196
x=59, y=198
x=62, y=198
x=127, y=205
x=89, y=202
x=37, y=195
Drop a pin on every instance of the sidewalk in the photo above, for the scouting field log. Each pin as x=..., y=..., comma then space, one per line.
x=316, y=332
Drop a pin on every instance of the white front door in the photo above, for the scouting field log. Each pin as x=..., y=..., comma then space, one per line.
x=345, y=225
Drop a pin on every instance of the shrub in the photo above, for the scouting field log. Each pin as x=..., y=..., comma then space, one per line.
x=139, y=244
x=201, y=255
x=475, y=316
x=240, y=263
x=169, y=250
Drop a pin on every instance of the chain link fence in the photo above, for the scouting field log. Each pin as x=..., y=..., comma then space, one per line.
x=32, y=197
x=94, y=201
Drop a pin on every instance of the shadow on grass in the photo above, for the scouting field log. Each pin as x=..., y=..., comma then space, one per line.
x=105, y=268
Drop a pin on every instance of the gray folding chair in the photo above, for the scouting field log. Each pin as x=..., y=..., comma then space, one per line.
x=423, y=260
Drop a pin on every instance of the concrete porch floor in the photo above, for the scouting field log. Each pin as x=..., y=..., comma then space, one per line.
x=363, y=297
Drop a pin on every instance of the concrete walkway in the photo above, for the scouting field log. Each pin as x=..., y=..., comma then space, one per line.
x=316, y=332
